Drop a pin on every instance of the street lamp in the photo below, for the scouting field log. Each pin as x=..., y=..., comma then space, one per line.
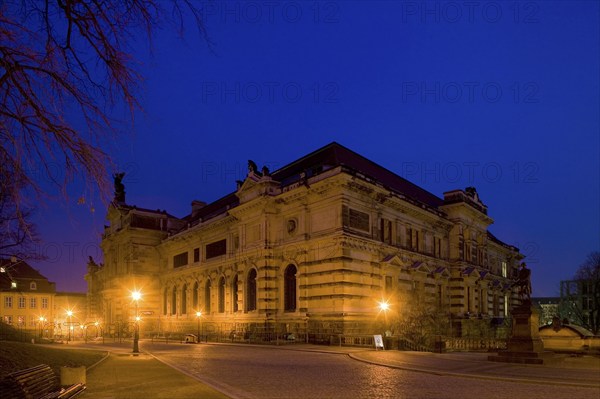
x=69, y=315
x=198, y=315
x=42, y=319
x=136, y=296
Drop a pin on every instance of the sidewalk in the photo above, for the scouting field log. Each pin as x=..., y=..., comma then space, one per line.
x=125, y=375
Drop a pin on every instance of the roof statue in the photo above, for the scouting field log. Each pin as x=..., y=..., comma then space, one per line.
x=119, y=187
x=252, y=166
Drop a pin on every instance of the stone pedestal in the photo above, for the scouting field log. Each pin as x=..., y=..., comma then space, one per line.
x=525, y=344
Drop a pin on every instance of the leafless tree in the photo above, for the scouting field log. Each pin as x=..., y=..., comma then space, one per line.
x=580, y=297
x=63, y=62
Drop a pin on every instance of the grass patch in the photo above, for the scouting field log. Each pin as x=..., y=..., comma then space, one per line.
x=16, y=356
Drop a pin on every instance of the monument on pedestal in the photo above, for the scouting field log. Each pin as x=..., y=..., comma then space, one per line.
x=524, y=344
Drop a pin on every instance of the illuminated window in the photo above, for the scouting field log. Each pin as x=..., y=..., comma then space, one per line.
x=8, y=319
x=505, y=305
x=504, y=269
x=13, y=284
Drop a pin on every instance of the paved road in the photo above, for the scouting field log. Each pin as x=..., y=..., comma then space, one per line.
x=265, y=372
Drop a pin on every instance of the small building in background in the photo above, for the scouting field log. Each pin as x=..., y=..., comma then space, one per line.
x=26, y=297
x=548, y=307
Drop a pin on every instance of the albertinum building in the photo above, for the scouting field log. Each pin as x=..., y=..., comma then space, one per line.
x=312, y=249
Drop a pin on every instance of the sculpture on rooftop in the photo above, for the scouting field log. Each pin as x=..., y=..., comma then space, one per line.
x=119, y=187
x=252, y=166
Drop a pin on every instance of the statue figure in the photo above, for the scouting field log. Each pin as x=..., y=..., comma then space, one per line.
x=523, y=283
x=252, y=166
x=119, y=187
x=265, y=171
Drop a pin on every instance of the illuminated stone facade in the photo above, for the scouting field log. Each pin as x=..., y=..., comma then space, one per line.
x=310, y=248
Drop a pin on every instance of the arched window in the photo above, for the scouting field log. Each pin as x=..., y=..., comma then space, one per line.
x=251, y=291
x=207, y=297
x=174, y=301
x=222, y=295
x=165, y=301
x=184, y=299
x=234, y=293
x=289, y=289
x=195, y=296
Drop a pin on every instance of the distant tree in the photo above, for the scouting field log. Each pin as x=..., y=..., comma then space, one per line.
x=580, y=297
x=18, y=237
x=64, y=67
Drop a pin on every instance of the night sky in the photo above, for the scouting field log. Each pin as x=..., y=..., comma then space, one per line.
x=503, y=96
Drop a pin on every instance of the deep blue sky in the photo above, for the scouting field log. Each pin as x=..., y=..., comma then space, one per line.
x=503, y=96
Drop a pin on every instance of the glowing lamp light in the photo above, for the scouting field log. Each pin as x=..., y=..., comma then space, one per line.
x=383, y=305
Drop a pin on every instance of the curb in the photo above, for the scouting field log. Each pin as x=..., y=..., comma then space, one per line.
x=477, y=376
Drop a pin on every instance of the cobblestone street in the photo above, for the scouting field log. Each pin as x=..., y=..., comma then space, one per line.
x=265, y=372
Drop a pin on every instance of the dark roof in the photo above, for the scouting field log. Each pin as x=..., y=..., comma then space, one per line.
x=495, y=239
x=327, y=157
x=22, y=273
x=335, y=154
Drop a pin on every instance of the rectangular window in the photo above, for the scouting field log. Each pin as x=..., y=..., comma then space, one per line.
x=216, y=248
x=196, y=255
x=415, y=240
x=505, y=305
x=20, y=320
x=180, y=260
x=44, y=303
x=8, y=319
x=8, y=301
x=388, y=284
x=355, y=219
x=32, y=303
x=22, y=302
x=504, y=269
x=386, y=231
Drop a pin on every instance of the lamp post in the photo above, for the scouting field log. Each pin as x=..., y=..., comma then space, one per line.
x=136, y=296
x=198, y=315
x=69, y=315
x=42, y=319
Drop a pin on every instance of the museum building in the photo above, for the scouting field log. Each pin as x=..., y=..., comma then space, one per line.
x=312, y=249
